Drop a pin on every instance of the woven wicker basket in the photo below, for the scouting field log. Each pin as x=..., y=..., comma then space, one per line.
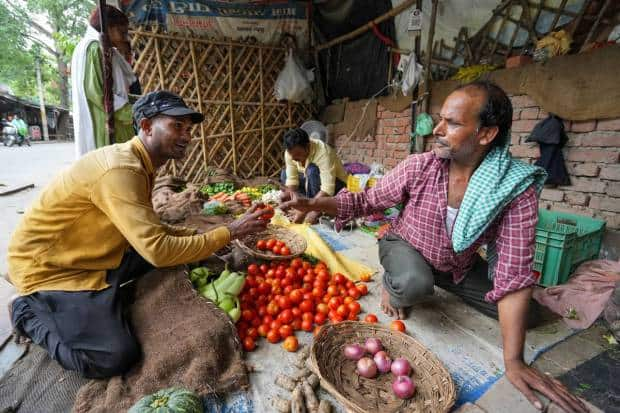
x=435, y=391
x=295, y=242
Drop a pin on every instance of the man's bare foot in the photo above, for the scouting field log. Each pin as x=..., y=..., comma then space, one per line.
x=399, y=313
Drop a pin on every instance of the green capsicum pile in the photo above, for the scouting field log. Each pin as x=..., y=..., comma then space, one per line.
x=223, y=291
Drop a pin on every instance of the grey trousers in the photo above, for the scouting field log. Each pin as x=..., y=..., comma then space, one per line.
x=409, y=279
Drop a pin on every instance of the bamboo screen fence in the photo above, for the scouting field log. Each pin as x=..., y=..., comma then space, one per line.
x=232, y=84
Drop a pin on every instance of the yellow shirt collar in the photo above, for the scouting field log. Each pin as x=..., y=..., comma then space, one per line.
x=144, y=155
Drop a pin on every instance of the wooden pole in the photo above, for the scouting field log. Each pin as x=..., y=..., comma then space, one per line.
x=46, y=135
x=419, y=143
x=203, y=140
x=368, y=26
x=600, y=15
x=230, y=107
x=262, y=113
x=429, y=56
x=108, y=102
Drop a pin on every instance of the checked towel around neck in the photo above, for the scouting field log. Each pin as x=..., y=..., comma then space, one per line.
x=498, y=180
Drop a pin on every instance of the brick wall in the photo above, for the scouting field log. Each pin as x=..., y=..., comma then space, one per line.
x=592, y=156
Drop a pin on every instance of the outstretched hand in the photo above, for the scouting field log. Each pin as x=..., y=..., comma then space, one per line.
x=527, y=379
x=292, y=200
x=248, y=223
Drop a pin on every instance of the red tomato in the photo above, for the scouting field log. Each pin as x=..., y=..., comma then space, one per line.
x=276, y=250
x=322, y=275
x=309, y=296
x=252, y=270
x=334, y=302
x=272, y=308
x=317, y=292
x=270, y=243
x=363, y=289
x=316, y=331
x=332, y=314
x=332, y=290
x=365, y=277
x=264, y=288
x=286, y=317
x=289, y=289
x=284, y=302
x=352, y=317
x=261, y=245
x=263, y=329
x=354, y=292
x=398, y=325
x=343, y=311
x=320, y=318
x=247, y=315
x=354, y=308
x=255, y=321
x=264, y=268
x=306, y=306
x=285, y=331
x=306, y=325
x=291, y=344
x=273, y=336
x=371, y=318
x=322, y=308
x=249, y=344
x=285, y=250
x=338, y=319
x=340, y=279
x=253, y=332
x=349, y=284
x=348, y=300
x=296, y=324
x=296, y=263
x=307, y=317
x=296, y=296
x=267, y=319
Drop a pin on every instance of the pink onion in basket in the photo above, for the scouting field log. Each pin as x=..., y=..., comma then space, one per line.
x=401, y=367
x=373, y=345
x=366, y=367
x=383, y=361
x=403, y=387
x=354, y=351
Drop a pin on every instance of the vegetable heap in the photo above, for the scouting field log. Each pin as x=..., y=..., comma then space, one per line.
x=223, y=291
x=280, y=298
x=214, y=208
x=173, y=400
x=402, y=386
x=212, y=189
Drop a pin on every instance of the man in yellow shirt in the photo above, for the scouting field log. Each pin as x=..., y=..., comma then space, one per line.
x=313, y=169
x=92, y=229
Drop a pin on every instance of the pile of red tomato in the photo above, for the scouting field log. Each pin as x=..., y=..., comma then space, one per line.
x=274, y=245
x=287, y=296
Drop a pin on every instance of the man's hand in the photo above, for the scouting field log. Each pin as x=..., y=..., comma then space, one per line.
x=299, y=216
x=292, y=200
x=247, y=224
x=312, y=217
x=526, y=379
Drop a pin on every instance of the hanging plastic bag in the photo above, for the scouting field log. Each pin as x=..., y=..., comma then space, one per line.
x=293, y=82
x=411, y=72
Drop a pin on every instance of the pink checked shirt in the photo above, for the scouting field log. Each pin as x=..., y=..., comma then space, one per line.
x=420, y=182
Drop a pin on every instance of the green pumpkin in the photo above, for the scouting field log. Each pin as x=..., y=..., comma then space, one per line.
x=173, y=400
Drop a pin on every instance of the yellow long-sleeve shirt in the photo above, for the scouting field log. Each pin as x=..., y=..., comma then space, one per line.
x=325, y=158
x=85, y=219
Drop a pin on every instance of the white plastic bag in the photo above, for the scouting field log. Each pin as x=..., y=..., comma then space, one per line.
x=411, y=72
x=293, y=82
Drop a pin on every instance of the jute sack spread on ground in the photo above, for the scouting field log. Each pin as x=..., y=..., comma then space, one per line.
x=172, y=206
x=186, y=341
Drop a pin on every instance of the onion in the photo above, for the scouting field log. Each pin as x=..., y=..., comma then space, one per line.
x=403, y=387
x=366, y=367
x=383, y=361
x=401, y=367
x=353, y=351
x=373, y=345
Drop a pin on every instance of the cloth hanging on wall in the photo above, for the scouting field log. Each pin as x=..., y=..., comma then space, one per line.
x=357, y=68
x=550, y=135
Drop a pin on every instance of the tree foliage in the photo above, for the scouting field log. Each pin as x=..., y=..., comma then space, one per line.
x=25, y=40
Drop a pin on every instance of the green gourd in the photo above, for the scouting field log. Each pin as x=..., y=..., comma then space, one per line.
x=172, y=400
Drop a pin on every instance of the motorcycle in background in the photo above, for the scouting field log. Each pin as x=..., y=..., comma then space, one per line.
x=10, y=136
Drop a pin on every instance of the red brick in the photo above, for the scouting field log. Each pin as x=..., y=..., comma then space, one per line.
x=380, y=153
x=601, y=139
x=523, y=101
x=516, y=114
x=585, y=126
x=552, y=195
x=613, y=189
x=400, y=155
x=531, y=113
x=611, y=172
x=613, y=220
x=523, y=125
x=566, y=125
x=591, y=155
x=605, y=203
x=388, y=122
x=586, y=185
x=515, y=138
x=525, y=151
x=574, y=139
x=608, y=124
x=542, y=114
x=403, y=122
x=577, y=198
x=583, y=169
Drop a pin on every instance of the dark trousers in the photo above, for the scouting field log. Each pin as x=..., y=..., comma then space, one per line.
x=409, y=279
x=310, y=182
x=85, y=331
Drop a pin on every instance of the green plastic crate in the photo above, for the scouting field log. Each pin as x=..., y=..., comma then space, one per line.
x=563, y=241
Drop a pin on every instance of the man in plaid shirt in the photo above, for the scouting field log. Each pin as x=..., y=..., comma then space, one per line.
x=418, y=252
